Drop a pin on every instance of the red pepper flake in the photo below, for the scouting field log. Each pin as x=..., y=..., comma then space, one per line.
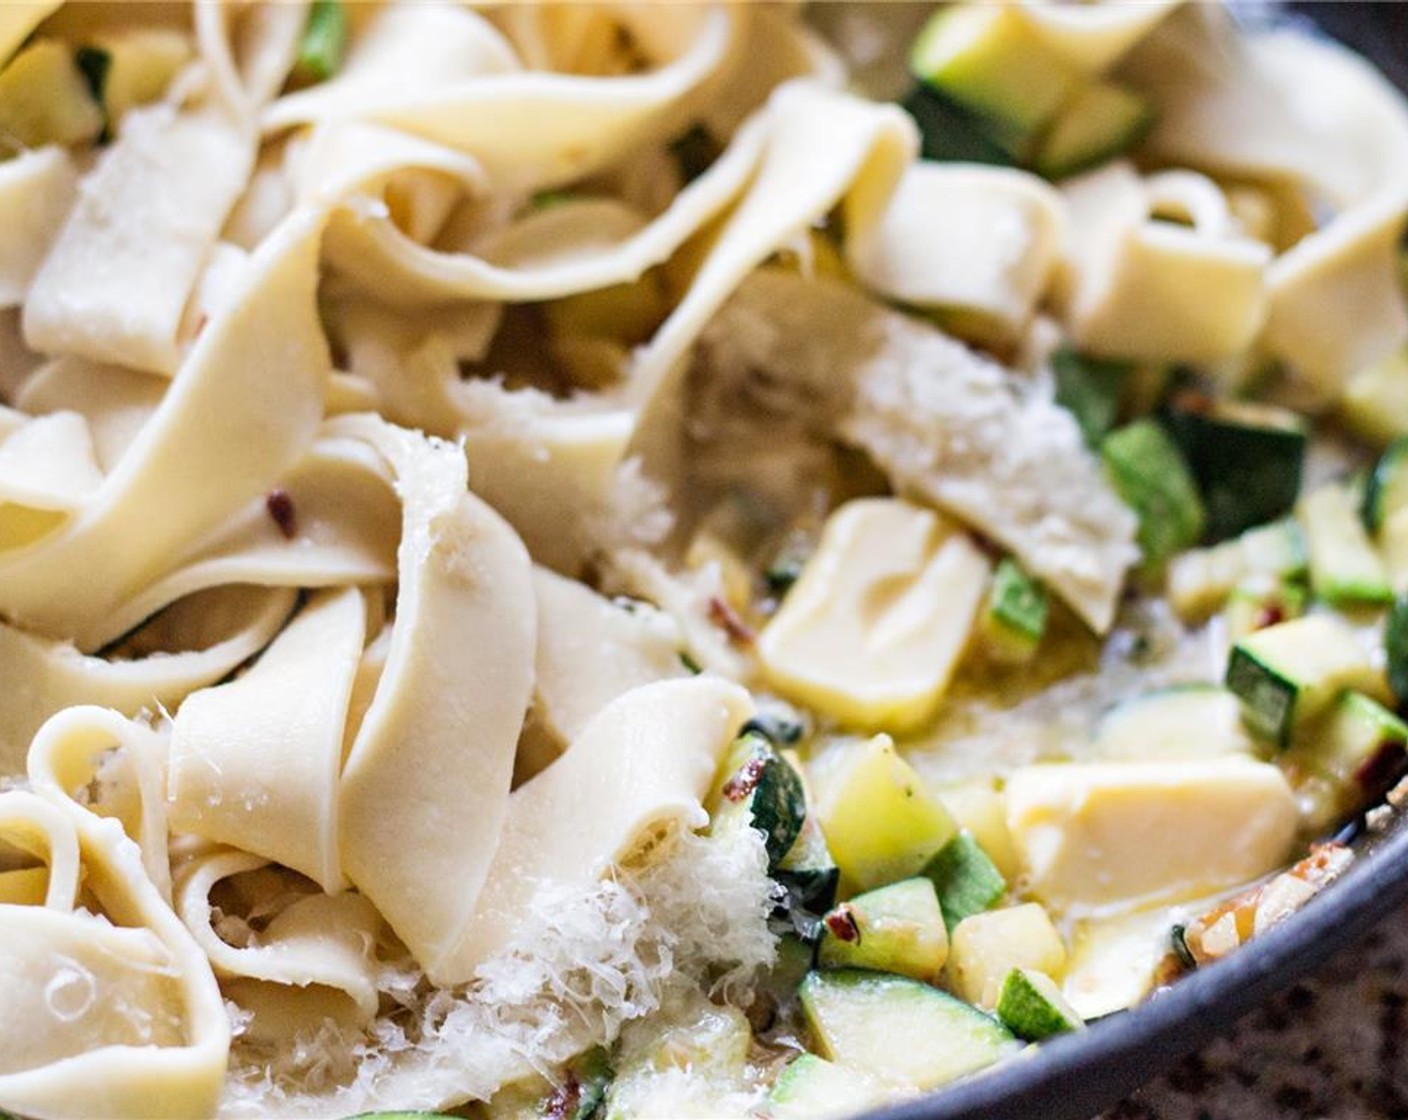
x=564, y=1100
x=727, y=619
x=1270, y=615
x=279, y=505
x=842, y=924
x=738, y=787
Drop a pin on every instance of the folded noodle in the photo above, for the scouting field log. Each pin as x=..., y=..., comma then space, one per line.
x=1284, y=107
x=255, y=762
x=424, y=792
x=633, y=776
x=112, y=1010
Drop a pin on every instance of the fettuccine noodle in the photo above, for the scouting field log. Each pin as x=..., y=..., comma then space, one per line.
x=336, y=412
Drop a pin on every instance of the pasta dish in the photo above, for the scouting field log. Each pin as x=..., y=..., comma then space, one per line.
x=661, y=560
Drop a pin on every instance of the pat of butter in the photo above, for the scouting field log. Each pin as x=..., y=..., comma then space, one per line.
x=872, y=630
x=1100, y=834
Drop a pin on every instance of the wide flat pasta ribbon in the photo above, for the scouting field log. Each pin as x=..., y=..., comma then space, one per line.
x=1284, y=107
x=424, y=792
x=36, y=190
x=1154, y=290
x=255, y=762
x=57, y=676
x=636, y=773
x=529, y=129
x=245, y=405
x=109, y=1016
x=317, y=941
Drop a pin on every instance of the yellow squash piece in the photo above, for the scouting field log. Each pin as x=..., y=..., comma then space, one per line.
x=44, y=100
x=985, y=947
x=872, y=630
x=881, y=825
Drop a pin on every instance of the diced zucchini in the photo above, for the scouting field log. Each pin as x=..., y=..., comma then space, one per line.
x=1375, y=401
x=896, y=929
x=1393, y=547
x=1101, y=834
x=988, y=58
x=324, y=42
x=1181, y=721
x=965, y=879
x=1148, y=472
x=1289, y=673
x=1099, y=122
x=872, y=631
x=1032, y=1007
x=978, y=806
x=1260, y=602
x=1246, y=458
x=899, y=1029
x=1396, y=647
x=1277, y=549
x=1386, y=491
x=1200, y=580
x=1013, y=619
x=811, y=1088
x=759, y=787
x=984, y=948
x=779, y=724
x=1089, y=388
x=950, y=132
x=809, y=878
x=45, y=99
x=1345, y=568
x=795, y=958
x=881, y=824
x=1349, y=756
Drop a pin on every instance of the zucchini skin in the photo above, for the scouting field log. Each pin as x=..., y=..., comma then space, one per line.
x=1150, y=475
x=952, y=133
x=1268, y=699
x=1396, y=647
x=763, y=784
x=1387, y=486
x=1248, y=473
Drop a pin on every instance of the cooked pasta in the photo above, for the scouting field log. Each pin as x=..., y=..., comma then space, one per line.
x=412, y=415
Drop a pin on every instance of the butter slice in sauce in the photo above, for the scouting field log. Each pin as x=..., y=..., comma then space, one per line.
x=872, y=630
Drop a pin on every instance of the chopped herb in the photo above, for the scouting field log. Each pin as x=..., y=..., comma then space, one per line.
x=324, y=42
x=689, y=663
